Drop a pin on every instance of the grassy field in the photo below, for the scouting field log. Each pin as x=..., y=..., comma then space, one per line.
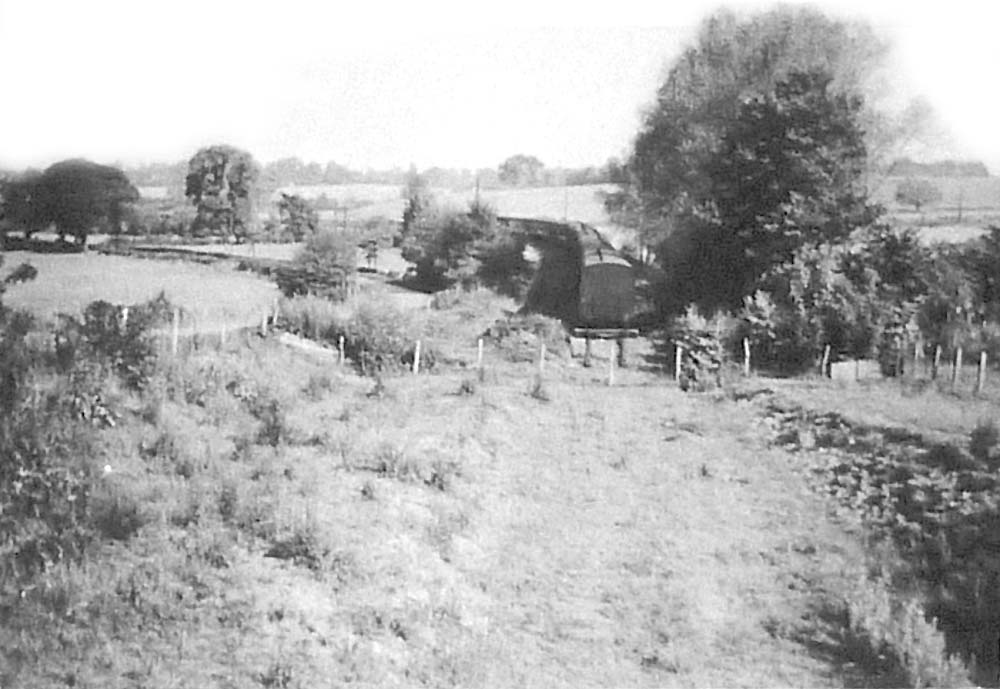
x=215, y=295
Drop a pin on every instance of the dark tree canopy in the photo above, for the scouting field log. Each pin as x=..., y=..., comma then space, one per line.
x=76, y=196
x=788, y=173
x=731, y=60
x=299, y=218
x=220, y=183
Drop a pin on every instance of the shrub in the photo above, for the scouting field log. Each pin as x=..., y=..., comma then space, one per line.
x=44, y=494
x=324, y=266
x=704, y=344
x=104, y=335
x=378, y=336
x=116, y=513
x=519, y=337
x=983, y=442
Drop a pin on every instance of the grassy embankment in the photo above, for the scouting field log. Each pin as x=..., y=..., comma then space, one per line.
x=270, y=518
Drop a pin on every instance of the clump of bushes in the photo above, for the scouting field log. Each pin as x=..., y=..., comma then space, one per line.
x=984, y=442
x=704, y=343
x=324, y=266
x=378, y=336
x=518, y=338
x=104, y=335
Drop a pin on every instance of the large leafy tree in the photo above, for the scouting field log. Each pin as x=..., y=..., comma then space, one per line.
x=789, y=172
x=76, y=196
x=20, y=207
x=731, y=108
x=220, y=183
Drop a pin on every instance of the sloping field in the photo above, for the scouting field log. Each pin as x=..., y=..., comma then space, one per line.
x=215, y=295
x=597, y=537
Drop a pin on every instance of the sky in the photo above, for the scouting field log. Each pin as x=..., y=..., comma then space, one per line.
x=384, y=84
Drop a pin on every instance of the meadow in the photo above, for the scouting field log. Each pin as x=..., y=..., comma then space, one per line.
x=214, y=295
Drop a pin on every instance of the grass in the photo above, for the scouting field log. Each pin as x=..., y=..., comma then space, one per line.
x=215, y=295
x=270, y=522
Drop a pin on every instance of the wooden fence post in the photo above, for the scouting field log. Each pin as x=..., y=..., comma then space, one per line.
x=416, y=358
x=825, y=365
x=981, y=374
x=275, y=312
x=937, y=362
x=541, y=359
x=124, y=317
x=611, y=361
x=340, y=350
x=175, y=331
x=480, y=371
x=956, y=368
x=263, y=323
x=678, y=359
x=746, y=357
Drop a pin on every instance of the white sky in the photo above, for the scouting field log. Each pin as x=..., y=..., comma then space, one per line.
x=454, y=83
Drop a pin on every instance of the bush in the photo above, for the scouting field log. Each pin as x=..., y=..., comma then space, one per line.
x=983, y=442
x=378, y=336
x=519, y=337
x=704, y=343
x=104, y=335
x=44, y=491
x=324, y=266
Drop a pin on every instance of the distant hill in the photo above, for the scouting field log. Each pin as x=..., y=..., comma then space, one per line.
x=905, y=167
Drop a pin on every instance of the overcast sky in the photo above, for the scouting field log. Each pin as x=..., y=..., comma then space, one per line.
x=386, y=84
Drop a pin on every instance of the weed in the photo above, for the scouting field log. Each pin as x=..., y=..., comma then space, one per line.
x=116, y=513
x=539, y=390
x=983, y=441
x=368, y=490
x=467, y=387
x=279, y=675
x=302, y=547
x=318, y=385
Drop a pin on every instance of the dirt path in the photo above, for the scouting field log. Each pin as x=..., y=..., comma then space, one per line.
x=651, y=539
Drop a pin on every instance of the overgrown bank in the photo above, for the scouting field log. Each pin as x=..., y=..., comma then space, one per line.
x=931, y=506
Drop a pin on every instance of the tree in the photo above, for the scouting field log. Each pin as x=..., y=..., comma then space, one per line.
x=521, y=171
x=465, y=248
x=419, y=201
x=298, y=217
x=734, y=59
x=20, y=205
x=787, y=173
x=917, y=193
x=220, y=183
x=76, y=196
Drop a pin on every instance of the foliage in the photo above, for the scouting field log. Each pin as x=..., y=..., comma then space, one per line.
x=220, y=183
x=378, y=336
x=787, y=174
x=43, y=488
x=106, y=335
x=419, y=202
x=323, y=266
x=299, y=219
x=469, y=248
x=917, y=193
x=519, y=337
x=521, y=171
x=74, y=195
x=704, y=342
